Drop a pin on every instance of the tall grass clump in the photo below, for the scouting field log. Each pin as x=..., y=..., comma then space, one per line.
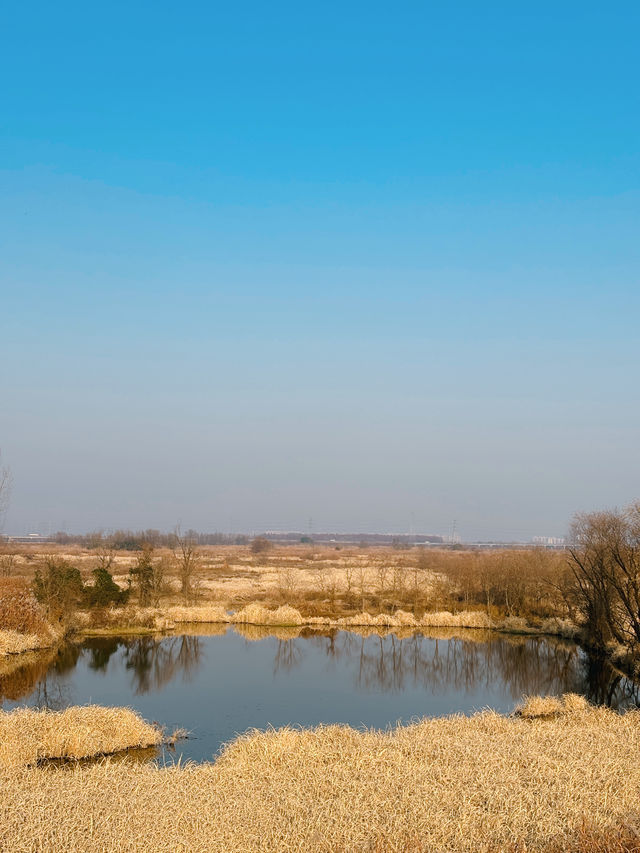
x=199, y=613
x=19, y=609
x=535, y=707
x=23, y=622
x=465, y=619
x=29, y=736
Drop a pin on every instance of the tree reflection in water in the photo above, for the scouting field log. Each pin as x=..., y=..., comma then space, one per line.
x=152, y=662
x=155, y=663
x=389, y=663
x=525, y=665
x=39, y=675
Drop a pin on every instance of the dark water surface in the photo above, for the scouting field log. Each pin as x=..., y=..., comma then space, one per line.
x=221, y=683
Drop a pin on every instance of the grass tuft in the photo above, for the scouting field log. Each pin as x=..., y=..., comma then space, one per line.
x=28, y=737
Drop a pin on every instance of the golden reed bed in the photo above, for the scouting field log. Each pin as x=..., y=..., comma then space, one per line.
x=28, y=737
x=568, y=780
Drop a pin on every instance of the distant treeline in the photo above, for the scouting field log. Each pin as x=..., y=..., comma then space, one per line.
x=135, y=540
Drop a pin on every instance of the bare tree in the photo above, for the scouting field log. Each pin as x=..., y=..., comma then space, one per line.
x=5, y=490
x=605, y=560
x=141, y=574
x=188, y=558
x=8, y=561
x=105, y=557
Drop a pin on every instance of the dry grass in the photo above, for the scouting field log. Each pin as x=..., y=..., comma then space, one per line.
x=560, y=627
x=322, y=583
x=466, y=619
x=535, y=707
x=567, y=782
x=23, y=626
x=256, y=614
x=13, y=643
x=28, y=736
x=287, y=616
x=19, y=610
x=203, y=613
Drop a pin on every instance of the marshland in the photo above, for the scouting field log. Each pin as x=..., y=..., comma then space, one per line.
x=394, y=678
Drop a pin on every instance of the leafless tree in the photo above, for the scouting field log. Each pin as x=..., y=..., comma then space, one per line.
x=188, y=558
x=605, y=560
x=5, y=490
x=8, y=560
x=260, y=545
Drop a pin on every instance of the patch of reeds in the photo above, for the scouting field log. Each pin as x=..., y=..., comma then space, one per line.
x=535, y=707
x=568, y=781
x=199, y=613
x=257, y=614
x=23, y=623
x=13, y=642
x=19, y=610
x=28, y=736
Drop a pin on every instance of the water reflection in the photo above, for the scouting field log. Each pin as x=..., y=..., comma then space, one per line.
x=436, y=662
x=524, y=665
x=152, y=663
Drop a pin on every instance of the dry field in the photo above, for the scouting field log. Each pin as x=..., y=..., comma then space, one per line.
x=568, y=780
x=233, y=575
x=522, y=587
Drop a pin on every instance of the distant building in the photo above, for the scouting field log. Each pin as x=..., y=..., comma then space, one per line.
x=549, y=541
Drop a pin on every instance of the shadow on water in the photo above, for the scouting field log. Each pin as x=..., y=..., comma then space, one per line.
x=432, y=661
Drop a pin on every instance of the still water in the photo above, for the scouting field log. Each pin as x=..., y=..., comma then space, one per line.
x=221, y=683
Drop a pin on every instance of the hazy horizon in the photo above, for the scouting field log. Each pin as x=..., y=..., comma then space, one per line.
x=263, y=265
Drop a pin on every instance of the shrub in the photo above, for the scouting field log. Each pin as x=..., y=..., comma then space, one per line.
x=261, y=544
x=105, y=590
x=19, y=609
x=58, y=586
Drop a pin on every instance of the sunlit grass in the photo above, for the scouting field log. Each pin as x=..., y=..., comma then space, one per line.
x=564, y=781
x=29, y=736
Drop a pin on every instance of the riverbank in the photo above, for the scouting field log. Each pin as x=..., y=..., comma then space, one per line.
x=285, y=616
x=137, y=621
x=565, y=780
x=134, y=621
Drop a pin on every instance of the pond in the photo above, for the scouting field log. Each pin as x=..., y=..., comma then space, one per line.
x=219, y=682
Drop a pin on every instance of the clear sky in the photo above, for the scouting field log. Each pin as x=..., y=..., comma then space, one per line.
x=374, y=265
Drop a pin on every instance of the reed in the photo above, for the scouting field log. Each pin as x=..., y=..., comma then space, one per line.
x=13, y=642
x=569, y=781
x=200, y=613
x=257, y=614
x=29, y=736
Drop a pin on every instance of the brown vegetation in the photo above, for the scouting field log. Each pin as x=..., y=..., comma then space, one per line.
x=27, y=737
x=593, y=589
x=19, y=610
x=23, y=623
x=563, y=782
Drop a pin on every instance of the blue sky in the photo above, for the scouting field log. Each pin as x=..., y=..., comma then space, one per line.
x=373, y=265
